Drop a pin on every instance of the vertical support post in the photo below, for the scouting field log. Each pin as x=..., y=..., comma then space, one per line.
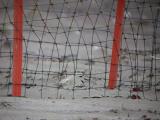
x=17, y=48
x=116, y=44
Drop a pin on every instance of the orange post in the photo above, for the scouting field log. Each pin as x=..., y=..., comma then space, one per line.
x=17, y=48
x=116, y=44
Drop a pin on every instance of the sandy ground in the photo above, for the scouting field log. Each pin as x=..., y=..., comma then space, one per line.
x=86, y=109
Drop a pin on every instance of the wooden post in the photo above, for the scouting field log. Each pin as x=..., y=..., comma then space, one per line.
x=116, y=44
x=17, y=48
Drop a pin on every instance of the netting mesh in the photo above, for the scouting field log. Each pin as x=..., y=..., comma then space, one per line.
x=67, y=49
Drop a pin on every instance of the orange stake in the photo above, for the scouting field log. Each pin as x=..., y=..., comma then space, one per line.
x=116, y=44
x=17, y=48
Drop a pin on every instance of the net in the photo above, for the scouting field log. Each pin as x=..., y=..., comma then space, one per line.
x=68, y=49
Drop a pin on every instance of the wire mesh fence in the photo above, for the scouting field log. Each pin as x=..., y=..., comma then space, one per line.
x=67, y=49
